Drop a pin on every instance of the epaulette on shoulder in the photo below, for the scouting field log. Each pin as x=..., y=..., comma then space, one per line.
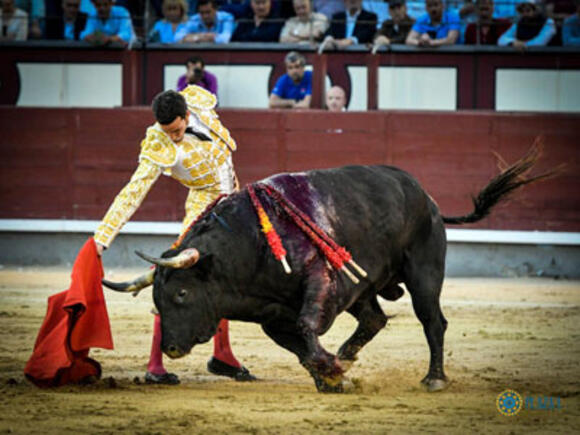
x=199, y=98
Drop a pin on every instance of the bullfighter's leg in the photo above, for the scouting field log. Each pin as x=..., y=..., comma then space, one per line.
x=371, y=320
x=424, y=272
x=223, y=361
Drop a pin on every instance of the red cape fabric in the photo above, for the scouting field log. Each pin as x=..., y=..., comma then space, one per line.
x=76, y=320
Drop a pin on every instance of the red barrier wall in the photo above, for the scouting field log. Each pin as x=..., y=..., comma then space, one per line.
x=70, y=163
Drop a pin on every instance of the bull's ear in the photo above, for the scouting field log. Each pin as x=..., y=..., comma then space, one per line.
x=204, y=266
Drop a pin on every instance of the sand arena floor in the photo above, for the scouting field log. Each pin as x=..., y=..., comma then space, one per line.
x=519, y=334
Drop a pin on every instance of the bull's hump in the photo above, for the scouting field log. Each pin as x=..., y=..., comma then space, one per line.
x=298, y=189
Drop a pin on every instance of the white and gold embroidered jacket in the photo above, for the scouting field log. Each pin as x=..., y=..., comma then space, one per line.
x=205, y=167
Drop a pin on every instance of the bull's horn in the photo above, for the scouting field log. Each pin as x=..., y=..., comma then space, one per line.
x=186, y=258
x=131, y=286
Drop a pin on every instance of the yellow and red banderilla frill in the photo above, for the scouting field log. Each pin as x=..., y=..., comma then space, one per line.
x=269, y=231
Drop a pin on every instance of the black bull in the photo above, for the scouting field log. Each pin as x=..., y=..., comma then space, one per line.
x=393, y=229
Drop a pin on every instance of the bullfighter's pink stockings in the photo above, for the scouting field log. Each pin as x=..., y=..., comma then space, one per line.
x=155, y=365
x=221, y=345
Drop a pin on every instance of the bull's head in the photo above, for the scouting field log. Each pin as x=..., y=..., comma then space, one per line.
x=183, y=296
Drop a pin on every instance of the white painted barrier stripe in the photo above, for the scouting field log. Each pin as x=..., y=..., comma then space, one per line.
x=173, y=228
x=78, y=226
x=513, y=237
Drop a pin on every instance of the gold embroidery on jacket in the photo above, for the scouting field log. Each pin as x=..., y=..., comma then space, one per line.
x=192, y=162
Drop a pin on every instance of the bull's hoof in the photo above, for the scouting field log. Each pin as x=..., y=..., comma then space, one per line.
x=346, y=364
x=433, y=385
x=324, y=387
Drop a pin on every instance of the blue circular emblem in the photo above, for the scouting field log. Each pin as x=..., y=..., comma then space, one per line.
x=509, y=403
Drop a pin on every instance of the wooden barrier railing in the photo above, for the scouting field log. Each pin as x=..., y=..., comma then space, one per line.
x=70, y=163
x=143, y=68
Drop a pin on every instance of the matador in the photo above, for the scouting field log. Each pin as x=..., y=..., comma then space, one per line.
x=188, y=143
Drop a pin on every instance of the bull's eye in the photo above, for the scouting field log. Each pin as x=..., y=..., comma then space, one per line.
x=182, y=293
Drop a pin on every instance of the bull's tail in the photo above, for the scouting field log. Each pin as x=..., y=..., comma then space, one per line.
x=506, y=182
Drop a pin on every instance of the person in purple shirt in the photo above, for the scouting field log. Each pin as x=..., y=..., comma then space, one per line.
x=197, y=75
x=435, y=28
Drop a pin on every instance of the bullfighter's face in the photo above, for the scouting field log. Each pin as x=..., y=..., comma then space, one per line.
x=183, y=298
x=176, y=128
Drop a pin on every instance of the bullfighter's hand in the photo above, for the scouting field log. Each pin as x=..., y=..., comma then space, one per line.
x=100, y=249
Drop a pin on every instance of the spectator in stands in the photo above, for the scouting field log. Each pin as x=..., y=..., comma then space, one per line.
x=69, y=24
x=294, y=89
x=435, y=28
x=571, y=28
x=353, y=26
x=166, y=30
x=395, y=29
x=196, y=74
x=36, y=11
x=109, y=24
x=208, y=25
x=13, y=22
x=532, y=28
x=261, y=25
x=306, y=26
x=336, y=99
x=487, y=30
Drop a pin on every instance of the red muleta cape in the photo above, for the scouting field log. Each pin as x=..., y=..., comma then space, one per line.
x=76, y=320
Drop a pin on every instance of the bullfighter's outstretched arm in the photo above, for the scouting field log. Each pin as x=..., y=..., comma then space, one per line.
x=127, y=202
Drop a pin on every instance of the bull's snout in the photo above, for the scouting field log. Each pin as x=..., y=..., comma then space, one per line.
x=173, y=351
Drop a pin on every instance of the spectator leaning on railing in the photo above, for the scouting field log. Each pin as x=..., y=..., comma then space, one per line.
x=532, y=28
x=353, y=26
x=487, y=30
x=13, y=22
x=571, y=28
x=261, y=25
x=108, y=24
x=69, y=24
x=166, y=30
x=395, y=29
x=294, y=89
x=306, y=26
x=207, y=25
x=435, y=28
